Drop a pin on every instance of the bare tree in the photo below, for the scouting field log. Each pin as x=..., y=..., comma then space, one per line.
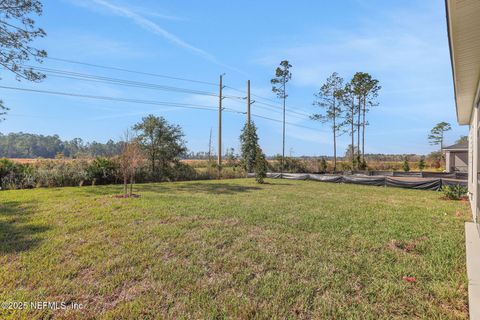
x=130, y=160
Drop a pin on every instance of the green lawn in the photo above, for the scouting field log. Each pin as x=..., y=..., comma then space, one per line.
x=234, y=249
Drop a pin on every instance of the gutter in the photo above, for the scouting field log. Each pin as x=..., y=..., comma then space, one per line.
x=451, y=56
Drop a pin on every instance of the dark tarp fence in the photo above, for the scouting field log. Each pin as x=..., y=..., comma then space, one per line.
x=413, y=181
x=371, y=181
x=424, y=184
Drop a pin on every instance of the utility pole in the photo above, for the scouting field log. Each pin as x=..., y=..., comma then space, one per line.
x=210, y=147
x=220, y=99
x=283, y=145
x=248, y=103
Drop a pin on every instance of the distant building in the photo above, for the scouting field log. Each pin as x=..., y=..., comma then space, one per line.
x=456, y=157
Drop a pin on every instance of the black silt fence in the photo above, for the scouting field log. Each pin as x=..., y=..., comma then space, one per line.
x=382, y=181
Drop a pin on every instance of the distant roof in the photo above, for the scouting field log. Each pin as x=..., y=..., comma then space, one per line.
x=457, y=146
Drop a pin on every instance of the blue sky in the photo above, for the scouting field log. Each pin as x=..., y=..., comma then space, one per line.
x=401, y=43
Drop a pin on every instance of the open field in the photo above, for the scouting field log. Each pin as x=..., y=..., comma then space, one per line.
x=236, y=249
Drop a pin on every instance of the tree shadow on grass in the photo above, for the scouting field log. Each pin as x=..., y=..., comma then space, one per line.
x=17, y=231
x=204, y=186
x=198, y=187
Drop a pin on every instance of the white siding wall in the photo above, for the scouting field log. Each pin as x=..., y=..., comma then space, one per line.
x=473, y=162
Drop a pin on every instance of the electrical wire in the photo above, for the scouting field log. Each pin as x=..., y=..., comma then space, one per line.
x=130, y=71
x=106, y=98
x=124, y=82
x=101, y=79
x=147, y=102
x=168, y=77
x=93, y=78
x=275, y=105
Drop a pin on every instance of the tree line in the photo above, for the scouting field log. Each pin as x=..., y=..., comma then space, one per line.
x=28, y=145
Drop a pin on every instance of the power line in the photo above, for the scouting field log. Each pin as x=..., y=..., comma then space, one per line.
x=147, y=102
x=124, y=82
x=166, y=77
x=274, y=108
x=291, y=111
x=138, y=101
x=129, y=71
x=289, y=123
x=94, y=78
x=155, y=75
x=268, y=99
x=271, y=119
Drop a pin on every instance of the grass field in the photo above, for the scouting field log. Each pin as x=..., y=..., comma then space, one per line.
x=234, y=249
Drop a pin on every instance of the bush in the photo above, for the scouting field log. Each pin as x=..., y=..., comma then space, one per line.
x=323, y=165
x=421, y=164
x=344, y=166
x=362, y=165
x=102, y=171
x=291, y=165
x=15, y=175
x=260, y=166
x=454, y=192
x=6, y=166
x=184, y=172
x=406, y=166
x=60, y=173
x=78, y=172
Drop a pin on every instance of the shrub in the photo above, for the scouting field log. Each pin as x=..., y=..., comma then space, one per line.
x=358, y=162
x=406, y=166
x=454, y=192
x=291, y=165
x=260, y=166
x=6, y=166
x=60, y=173
x=184, y=172
x=15, y=176
x=362, y=165
x=421, y=164
x=344, y=166
x=323, y=165
x=102, y=171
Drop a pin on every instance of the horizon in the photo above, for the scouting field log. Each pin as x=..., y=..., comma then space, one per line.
x=340, y=155
x=403, y=45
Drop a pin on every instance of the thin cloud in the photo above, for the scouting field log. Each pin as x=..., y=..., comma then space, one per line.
x=147, y=12
x=154, y=28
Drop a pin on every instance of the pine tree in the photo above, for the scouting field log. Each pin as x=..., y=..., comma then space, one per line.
x=421, y=164
x=248, y=146
x=365, y=89
x=406, y=166
x=279, y=87
x=260, y=165
x=437, y=133
x=329, y=98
